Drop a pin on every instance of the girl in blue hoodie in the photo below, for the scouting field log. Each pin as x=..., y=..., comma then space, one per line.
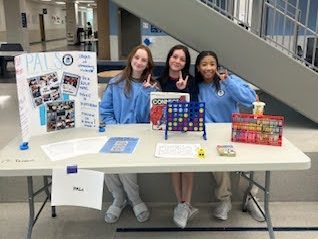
x=126, y=101
x=222, y=93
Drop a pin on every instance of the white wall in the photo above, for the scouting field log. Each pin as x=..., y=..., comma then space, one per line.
x=161, y=45
x=54, y=21
x=2, y=23
x=90, y=18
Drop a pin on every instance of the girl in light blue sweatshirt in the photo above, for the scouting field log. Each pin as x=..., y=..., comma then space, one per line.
x=222, y=93
x=126, y=101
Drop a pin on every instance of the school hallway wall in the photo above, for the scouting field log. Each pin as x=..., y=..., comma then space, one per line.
x=244, y=53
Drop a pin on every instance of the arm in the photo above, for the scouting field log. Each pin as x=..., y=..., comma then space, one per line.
x=106, y=107
x=142, y=111
x=240, y=91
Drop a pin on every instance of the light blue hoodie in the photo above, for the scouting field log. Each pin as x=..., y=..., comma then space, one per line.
x=220, y=105
x=117, y=108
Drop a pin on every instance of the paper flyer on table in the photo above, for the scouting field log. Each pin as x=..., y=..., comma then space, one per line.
x=120, y=145
x=71, y=148
x=176, y=150
x=84, y=188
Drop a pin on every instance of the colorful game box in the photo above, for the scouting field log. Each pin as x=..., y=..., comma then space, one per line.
x=158, y=102
x=185, y=116
x=257, y=129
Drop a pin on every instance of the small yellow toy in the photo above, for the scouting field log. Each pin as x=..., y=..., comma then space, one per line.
x=201, y=153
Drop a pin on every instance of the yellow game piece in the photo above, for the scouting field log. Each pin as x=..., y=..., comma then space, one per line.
x=201, y=153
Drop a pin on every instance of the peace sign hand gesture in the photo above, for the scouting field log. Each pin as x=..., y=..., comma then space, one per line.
x=147, y=83
x=182, y=84
x=222, y=74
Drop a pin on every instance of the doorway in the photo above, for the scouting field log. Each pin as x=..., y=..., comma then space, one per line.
x=42, y=30
x=129, y=33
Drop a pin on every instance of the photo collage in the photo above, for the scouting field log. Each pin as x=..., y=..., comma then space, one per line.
x=60, y=115
x=48, y=90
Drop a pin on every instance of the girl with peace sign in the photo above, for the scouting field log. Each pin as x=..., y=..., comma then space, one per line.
x=125, y=101
x=222, y=93
x=176, y=78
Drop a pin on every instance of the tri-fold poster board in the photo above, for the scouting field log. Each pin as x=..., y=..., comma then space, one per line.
x=56, y=90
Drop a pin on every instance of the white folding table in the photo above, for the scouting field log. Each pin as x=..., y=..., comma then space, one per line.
x=249, y=158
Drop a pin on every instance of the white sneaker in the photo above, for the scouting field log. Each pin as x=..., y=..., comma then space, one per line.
x=254, y=211
x=193, y=211
x=223, y=208
x=181, y=214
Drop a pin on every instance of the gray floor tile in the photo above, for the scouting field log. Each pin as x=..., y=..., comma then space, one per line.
x=80, y=223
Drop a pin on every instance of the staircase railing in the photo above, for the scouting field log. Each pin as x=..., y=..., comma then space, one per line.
x=284, y=25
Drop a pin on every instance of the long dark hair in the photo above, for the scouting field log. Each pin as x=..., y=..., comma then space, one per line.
x=185, y=71
x=198, y=75
x=126, y=74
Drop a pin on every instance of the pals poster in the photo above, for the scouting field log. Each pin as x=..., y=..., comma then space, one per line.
x=56, y=91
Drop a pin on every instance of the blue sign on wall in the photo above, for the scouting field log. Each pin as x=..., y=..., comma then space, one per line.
x=154, y=29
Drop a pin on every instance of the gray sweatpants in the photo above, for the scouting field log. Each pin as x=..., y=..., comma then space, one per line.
x=122, y=185
x=223, y=186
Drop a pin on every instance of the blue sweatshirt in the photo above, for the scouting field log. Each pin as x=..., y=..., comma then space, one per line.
x=220, y=105
x=117, y=108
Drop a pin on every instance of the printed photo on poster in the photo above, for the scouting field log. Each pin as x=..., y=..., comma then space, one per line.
x=60, y=115
x=44, y=88
x=70, y=83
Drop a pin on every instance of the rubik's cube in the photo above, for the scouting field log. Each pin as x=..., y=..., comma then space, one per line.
x=185, y=116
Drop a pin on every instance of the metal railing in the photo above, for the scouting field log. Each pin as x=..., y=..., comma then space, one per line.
x=292, y=28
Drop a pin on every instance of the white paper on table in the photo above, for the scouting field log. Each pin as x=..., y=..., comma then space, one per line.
x=72, y=148
x=90, y=145
x=84, y=188
x=176, y=150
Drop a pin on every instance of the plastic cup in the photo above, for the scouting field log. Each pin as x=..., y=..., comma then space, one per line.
x=258, y=108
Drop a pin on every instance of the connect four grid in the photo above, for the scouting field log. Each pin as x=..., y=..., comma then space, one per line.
x=185, y=116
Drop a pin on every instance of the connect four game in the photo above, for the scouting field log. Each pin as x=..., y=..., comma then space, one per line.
x=257, y=129
x=185, y=116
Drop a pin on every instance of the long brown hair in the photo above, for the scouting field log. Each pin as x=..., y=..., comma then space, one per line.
x=126, y=75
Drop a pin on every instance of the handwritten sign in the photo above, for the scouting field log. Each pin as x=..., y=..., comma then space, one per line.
x=84, y=188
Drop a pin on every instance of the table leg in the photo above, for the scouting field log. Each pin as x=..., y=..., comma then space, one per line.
x=48, y=193
x=266, y=190
x=266, y=205
x=31, y=195
x=31, y=206
x=247, y=191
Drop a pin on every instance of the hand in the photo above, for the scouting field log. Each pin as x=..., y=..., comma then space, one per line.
x=147, y=83
x=182, y=84
x=222, y=74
